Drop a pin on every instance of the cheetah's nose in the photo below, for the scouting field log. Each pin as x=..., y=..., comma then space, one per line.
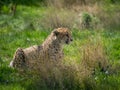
x=71, y=39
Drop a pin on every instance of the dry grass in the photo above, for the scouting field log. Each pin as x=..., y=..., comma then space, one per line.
x=70, y=17
x=60, y=3
x=69, y=14
x=61, y=75
x=94, y=56
x=69, y=3
x=55, y=18
x=111, y=20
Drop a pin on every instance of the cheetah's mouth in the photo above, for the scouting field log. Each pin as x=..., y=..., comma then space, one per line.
x=67, y=42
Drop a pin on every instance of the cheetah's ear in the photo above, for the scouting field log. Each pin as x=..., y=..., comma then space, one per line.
x=55, y=32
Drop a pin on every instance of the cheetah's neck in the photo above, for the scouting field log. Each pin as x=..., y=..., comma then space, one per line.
x=52, y=42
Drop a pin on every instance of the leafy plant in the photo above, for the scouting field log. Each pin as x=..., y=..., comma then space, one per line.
x=88, y=20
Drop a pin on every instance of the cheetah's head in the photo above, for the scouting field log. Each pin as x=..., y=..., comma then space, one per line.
x=63, y=35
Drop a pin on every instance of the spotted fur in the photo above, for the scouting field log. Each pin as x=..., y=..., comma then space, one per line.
x=50, y=50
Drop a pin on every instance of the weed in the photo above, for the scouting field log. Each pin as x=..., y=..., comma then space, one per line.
x=91, y=62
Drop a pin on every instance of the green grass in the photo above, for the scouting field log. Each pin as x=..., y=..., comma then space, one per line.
x=11, y=40
x=23, y=30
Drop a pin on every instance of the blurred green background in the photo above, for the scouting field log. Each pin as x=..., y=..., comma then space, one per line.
x=91, y=61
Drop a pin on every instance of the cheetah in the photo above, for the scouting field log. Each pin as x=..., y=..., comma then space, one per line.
x=50, y=50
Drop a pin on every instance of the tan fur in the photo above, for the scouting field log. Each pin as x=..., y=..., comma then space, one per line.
x=50, y=50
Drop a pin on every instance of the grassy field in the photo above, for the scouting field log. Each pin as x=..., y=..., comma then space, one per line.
x=89, y=48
